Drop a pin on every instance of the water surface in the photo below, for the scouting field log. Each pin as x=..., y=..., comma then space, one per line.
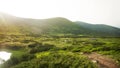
x=4, y=56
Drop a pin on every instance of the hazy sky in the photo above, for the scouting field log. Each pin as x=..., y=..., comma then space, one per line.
x=91, y=11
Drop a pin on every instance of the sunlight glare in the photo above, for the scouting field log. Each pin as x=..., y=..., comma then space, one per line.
x=91, y=11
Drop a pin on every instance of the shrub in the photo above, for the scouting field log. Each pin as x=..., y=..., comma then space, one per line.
x=41, y=48
x=14, y=47
x=58, y=60
x=15, y=60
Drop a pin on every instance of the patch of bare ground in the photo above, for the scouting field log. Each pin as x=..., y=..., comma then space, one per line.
x=101, y=60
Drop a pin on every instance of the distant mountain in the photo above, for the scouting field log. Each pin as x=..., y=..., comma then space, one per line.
x=53, y=26
x=101, y=29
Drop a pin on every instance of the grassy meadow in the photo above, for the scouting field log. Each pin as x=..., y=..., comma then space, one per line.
x=57, y=52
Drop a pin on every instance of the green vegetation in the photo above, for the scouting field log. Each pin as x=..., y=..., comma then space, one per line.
x=52, y=52
x=53, y=26
x=58, y=60
x=56, y=42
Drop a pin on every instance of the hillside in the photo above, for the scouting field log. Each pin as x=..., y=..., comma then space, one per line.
x=57, y=43
x=101, y=29
x=53, y=26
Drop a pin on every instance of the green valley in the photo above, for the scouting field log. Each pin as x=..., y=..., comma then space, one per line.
x=57, y=43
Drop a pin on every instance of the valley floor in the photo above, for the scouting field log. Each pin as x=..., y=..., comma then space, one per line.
x=64, y=52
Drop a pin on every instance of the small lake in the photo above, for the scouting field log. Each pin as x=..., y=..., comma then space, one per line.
x=4, y=56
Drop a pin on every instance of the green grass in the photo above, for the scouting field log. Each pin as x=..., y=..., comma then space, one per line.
x=45, y=49
x=17, y=53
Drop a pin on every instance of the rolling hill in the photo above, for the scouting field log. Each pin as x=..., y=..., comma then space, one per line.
x=53, y=26
x=100, y=29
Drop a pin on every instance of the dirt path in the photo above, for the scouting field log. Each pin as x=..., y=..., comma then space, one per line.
x=102, y=61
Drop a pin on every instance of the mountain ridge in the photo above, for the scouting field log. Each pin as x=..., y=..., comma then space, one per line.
x=53, y=26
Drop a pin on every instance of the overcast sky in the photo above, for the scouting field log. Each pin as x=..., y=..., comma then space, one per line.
x=91, y=11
